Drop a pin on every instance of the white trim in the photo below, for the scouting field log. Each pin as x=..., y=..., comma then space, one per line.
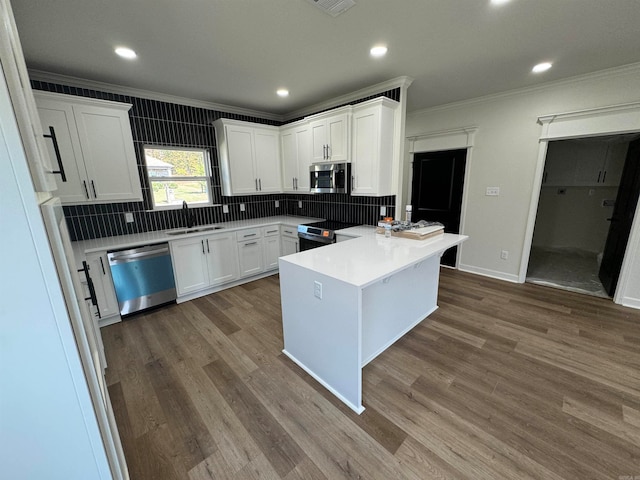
x=452, y=139
x=632, y=68
x=613, y=119
x=399, y=82
x=486, y=272
x=43, y=76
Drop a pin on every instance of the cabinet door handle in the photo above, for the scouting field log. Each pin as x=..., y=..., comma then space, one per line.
x=60, y=171
x=353, y=181
x=250, y=243
x=599, y=175
x=604, y=176
x=102, y=265
x=324, y=152
x=296, y=183
x=93, y=186
x=293, y=183
x=260, y=184
x=202, y=243
x=208, y=251
x=328, y=152
x=92, y=289
x=256, y=184
x=86, y=190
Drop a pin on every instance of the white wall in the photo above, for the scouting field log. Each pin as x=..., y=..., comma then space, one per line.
x=505, y=153
x=574, y=219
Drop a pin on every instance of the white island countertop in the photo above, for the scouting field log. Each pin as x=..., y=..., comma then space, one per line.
x=370, y=257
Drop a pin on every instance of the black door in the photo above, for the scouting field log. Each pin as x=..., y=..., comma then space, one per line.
x=436, y=193
x=621, y=220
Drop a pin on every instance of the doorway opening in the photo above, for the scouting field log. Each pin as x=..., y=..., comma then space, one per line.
x=587, y=201
x=436, y=192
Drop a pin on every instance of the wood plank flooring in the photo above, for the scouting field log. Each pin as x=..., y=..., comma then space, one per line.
x=503, y=381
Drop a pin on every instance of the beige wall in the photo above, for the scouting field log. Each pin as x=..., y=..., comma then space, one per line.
x=505, y=154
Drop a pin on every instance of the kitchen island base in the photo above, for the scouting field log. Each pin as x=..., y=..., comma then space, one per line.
x=333, y=337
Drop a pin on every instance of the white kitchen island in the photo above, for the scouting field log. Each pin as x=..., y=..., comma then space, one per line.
x=344, y=304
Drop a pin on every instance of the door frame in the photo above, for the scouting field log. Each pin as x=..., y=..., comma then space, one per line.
x=610, y=120
x=454, y=139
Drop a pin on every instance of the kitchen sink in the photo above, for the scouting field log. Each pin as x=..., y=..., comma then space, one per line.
x=184, y=231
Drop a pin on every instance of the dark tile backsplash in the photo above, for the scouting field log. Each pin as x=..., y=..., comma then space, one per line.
x=168, y=124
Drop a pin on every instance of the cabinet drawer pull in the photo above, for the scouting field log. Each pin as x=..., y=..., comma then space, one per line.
x=86, y=190
x=272, y=231
x=60, y=171
x=250, y=243
x=93, y=186
x=289, y=232
x=92, y=290
x=249, y=235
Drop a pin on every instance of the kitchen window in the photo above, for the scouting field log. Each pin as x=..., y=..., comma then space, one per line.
x=178, y=174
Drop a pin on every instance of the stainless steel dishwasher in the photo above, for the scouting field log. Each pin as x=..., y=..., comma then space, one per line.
x=142, y=277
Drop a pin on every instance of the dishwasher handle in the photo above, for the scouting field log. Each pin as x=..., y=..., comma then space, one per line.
x=135, y=254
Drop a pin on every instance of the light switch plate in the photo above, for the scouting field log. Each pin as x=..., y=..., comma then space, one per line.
x=277, y=204
x=128, y=217
x=493, y=191
x=383, y=211
x=317, y=290
x=225, y=208
x=299, y=203
x=242, y=207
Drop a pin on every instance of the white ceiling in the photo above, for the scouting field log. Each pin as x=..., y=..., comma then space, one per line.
x=238, y=52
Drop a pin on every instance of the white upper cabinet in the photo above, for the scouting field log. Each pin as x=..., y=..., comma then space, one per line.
x=584, y=163
x=91, y=140
x=296, y=157
x=249, y=157
x=373, y=147
x=330, y=135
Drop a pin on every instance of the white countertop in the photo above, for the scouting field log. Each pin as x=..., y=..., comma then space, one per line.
x=370, y=257
x=124, y=241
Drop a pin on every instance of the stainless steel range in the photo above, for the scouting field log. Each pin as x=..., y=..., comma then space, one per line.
x=319, y=234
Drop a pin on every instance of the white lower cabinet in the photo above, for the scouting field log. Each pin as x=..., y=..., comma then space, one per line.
x=103, y=284
x=289, y=240
x=250, y=256
x=203, y=262
x=271, y=246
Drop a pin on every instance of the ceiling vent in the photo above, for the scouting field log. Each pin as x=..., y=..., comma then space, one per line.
x=333, y=7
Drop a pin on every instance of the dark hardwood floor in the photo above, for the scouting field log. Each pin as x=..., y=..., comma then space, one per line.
x=503, y=381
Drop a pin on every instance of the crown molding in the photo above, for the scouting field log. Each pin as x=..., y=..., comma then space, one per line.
x=610, y=72
x=399, y=82
x=43, y=76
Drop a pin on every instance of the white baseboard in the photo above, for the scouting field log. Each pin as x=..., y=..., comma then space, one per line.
x=485, y=272
x=630, y=302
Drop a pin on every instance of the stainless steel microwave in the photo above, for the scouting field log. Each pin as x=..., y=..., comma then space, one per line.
x=330, y=177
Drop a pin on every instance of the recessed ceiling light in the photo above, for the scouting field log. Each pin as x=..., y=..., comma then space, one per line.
x=378, y=51
x=499, y=2
x=282, y=92
x=125, y=52
x=541, y=67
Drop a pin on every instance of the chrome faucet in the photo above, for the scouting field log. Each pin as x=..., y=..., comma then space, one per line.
x=188, y=216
